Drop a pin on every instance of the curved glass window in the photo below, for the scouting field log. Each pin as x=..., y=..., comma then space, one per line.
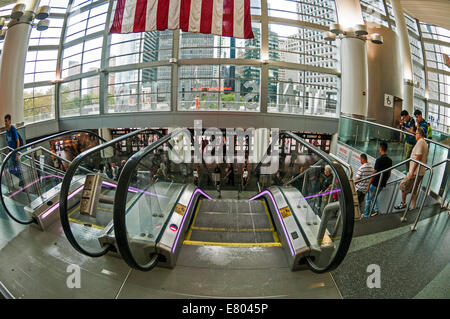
x=150, y=71
x=314, y=11
x=374, y=11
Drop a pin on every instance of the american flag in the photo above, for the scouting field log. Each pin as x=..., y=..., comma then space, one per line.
x=229, y=18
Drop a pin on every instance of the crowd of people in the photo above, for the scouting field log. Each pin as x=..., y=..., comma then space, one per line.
x=415, y=148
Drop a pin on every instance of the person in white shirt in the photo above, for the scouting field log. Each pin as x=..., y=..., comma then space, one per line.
x=245, y=176
x=365, y=170
x=419, y=153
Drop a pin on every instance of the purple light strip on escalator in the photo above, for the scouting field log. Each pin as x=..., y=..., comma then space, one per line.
x=266, y=192
x=136, y=190
x=198, y=190
x=32, y=183
x=323, y=194
x=54, y=207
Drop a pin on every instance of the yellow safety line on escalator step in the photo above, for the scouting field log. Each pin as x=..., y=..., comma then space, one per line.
x=243, y=230
x=189, y=233
x=85, y=223
x=274, y=233
x=207, y=243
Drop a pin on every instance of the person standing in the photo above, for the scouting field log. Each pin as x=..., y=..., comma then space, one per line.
x=115, y=171
x=419, y=153
x=383, y=162
x=325, y=186
x=230, y=174
x=420, y=122
x=408, y=124
x=364, y=171
x=13, y=141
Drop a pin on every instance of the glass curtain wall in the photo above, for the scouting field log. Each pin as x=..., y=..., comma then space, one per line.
x=436, y=42
x=78, y=69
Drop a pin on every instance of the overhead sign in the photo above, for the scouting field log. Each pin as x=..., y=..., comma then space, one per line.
x=388, y=100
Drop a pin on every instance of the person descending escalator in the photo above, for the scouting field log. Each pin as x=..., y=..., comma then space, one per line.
x=13, y=141
x=383, y=162
x=325, y=186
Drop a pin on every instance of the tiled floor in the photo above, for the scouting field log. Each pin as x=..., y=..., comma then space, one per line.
x=411, y=264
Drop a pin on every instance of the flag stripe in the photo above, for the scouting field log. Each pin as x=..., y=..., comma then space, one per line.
x=227, y=23
x=185, y=12
x=152, y=9
x=162, y=18
x=174, y=15
x=231, y=18
x=207, y=10
x=195, y=16
x=216, y=23
x=238, y=19
x=248, y=33
x=140, y=16
x=116, y=26
x=128, y=16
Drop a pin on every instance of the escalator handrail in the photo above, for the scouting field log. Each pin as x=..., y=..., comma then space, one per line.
x=65, y=186
x=347, y=205
x=14, y=152
x=394, y=129
x=123, y=183
x=302, y=173
x=343, y=163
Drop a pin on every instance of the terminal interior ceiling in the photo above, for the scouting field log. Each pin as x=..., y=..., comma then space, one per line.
x=171, y=164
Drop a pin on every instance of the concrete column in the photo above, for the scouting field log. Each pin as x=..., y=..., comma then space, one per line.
x=262, y=136
x=13, y=64
x=354, y=79
x=405, y=52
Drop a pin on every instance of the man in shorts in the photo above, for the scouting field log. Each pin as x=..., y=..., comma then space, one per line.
x=419, y=153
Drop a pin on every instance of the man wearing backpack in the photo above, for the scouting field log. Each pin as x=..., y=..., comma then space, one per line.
x=420, y=122
x=13, y=141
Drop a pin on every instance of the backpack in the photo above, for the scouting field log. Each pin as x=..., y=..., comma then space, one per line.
x=20, y=140
x=430, y=132
x=427, y=128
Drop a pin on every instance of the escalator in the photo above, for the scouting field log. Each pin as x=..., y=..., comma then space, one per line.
x=232, y=223
x=30, y=181
x=157, y=213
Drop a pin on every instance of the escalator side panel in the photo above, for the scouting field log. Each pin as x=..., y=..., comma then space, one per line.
x=173, y=234
x=290, y=235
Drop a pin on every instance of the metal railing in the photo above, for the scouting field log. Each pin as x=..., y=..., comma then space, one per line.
x=446, y=191
x=388, y=170
x=24, y=147
x=395, y=129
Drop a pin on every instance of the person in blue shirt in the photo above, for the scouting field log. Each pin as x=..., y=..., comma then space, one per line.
x=423, y=124
x=408, y=124
x=13, y=141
